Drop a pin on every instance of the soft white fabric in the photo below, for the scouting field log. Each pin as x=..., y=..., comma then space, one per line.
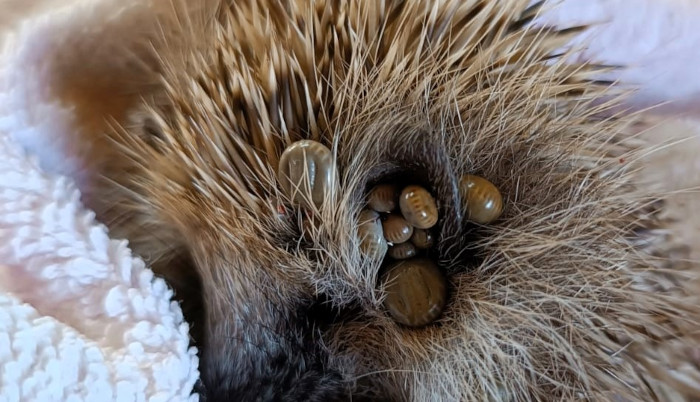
x=80, y=317
x=83, y=320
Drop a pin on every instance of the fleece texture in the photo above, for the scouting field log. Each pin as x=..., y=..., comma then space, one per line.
x=81, y=319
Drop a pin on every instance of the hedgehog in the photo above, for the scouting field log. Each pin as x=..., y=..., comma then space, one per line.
x=570, y=294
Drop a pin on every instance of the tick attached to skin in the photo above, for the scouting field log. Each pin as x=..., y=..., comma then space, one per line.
x=418, y=207
x=422, y=239
x=306, y=172
x=383, y=198
x=372, y=241
x=402, y=251
x=396, y=229
x=482, y=200
x=416, y=292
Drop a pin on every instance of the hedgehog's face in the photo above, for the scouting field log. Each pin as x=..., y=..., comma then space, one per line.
x=549, y=302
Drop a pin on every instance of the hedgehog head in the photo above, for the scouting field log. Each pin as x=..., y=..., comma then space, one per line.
x=567, y=296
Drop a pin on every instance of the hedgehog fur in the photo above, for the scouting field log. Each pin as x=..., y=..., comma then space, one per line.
x=571, y=295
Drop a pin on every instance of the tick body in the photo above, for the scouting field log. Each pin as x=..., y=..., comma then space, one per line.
x=422, y=239
x=372, y=242
x=306, y=172
x=383, y=198
x=482, y=200
x=396, y=229
x=418, y=207
x=416, y=292
x=402, y=251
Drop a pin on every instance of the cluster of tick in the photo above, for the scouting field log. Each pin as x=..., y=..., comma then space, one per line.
x=397, y=222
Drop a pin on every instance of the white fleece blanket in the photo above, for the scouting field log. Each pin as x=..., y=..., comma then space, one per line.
x=81, y=319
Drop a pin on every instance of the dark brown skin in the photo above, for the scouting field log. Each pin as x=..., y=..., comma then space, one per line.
x=542, y=304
